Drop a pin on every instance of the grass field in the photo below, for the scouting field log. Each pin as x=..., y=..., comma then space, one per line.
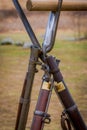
x=13, y=68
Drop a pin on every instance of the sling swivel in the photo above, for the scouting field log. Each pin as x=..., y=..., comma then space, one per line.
x=46, y=117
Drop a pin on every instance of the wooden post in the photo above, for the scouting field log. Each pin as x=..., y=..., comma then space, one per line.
x=51, y=5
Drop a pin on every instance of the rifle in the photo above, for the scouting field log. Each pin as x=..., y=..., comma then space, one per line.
x=52, y=78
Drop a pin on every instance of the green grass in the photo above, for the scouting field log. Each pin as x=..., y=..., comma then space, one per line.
x=16, y=36
x=13, y=67
x=12, y=51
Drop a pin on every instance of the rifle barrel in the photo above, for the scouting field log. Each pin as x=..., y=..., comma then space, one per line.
x=52, y=5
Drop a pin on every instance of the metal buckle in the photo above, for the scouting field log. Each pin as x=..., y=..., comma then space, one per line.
x=46, y=117
x=65, y=122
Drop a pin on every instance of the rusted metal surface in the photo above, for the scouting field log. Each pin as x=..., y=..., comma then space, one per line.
x=51, y=5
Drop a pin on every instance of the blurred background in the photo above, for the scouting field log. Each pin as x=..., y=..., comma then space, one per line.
x=74, y=22
x=70, y=47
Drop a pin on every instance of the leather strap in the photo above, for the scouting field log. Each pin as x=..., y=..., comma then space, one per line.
x=65, y=122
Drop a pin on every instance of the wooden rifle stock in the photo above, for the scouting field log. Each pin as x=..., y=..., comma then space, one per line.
x=24, y=103
x=40, y=114
x=20, y=104
x=52, y=5
x=38, y=121
x=62, y=92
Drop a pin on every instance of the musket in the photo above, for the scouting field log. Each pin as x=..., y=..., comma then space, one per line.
x=24, y=103
x=63, y=93
x=60, y=86
x=51, y=5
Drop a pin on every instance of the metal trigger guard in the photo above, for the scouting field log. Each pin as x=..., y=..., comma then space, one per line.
x=50, y=34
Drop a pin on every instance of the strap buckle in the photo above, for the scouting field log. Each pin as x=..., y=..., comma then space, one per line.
x=65, y=122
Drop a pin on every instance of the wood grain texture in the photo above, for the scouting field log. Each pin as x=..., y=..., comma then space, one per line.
x=51, y=5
